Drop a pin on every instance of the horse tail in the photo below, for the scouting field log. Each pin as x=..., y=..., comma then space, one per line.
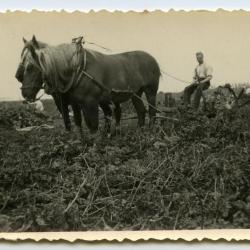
x=156, y=71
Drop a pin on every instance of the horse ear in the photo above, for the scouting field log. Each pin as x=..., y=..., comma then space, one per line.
x=24, y=40
x=34, y=42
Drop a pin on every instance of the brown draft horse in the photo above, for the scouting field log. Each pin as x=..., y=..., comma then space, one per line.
x=32, y=81
x=102, y=80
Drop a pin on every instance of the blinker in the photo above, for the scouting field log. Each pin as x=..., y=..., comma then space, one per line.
x=20, y=72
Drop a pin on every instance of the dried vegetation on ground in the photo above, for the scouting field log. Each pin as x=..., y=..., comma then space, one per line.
x=188, y=174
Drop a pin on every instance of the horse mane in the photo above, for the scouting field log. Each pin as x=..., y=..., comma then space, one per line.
x=57, y=64
x=29, y=45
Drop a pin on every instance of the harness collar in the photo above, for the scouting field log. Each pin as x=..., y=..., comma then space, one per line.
x=81, y=68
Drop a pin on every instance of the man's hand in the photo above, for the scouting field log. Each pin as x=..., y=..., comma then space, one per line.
x=207, y=79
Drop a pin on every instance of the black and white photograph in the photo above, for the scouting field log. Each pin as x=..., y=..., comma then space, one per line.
x=114, y=121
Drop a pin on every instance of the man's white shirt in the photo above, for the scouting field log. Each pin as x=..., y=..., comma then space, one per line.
x=203, y=71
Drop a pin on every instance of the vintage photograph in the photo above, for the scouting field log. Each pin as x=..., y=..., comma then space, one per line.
x=113, y=121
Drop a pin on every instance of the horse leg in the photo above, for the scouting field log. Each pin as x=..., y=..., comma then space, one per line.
x=65, y=115
x=151, y=98
x=140, y=109
x=78, y=118
x=107, y=116
x=118, y=114
x=62, y=107
x=90, y=113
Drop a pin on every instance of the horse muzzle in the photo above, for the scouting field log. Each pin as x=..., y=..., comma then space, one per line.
x=29, y=94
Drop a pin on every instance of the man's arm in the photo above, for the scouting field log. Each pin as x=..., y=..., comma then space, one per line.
x=195, y=77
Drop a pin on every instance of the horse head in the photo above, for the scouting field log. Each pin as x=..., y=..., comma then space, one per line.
x=29, y=72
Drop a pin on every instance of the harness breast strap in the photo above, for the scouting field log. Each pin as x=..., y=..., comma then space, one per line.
x=81, y=68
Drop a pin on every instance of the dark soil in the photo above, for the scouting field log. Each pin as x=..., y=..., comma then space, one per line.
x=188, y=174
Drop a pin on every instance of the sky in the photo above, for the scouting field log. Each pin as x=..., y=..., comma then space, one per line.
x=172, y=38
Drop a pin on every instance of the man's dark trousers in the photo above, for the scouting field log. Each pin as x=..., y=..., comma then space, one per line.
x=197, y=88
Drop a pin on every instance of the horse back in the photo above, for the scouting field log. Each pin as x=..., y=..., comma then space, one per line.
x=126, y=71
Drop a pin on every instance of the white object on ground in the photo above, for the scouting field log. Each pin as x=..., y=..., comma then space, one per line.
x=247, y=91
x=38, y=105
x=228, y=105
x=27, y=129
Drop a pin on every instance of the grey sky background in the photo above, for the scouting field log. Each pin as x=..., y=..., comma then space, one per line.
x=172, y=38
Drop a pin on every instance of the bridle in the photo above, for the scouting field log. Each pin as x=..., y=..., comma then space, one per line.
x=31, y=86
x=21, y=68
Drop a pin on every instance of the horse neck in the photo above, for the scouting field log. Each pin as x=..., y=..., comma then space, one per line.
x=93, y=57
x=42, y=45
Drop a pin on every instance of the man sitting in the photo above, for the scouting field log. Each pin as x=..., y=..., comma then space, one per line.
x=201, y=81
